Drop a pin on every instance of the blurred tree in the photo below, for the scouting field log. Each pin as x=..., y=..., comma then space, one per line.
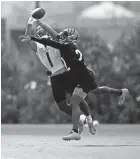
x=120, y=68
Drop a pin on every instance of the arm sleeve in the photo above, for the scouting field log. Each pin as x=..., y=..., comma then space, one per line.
x=47, y=28
x=48, y=42
x=40, y=47
x=28, y=29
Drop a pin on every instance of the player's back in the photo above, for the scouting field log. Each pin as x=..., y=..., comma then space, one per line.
x=72, y=55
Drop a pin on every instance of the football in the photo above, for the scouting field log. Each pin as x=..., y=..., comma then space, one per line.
x=38, y=13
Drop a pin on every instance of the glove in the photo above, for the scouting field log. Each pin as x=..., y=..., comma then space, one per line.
x=31, y=20
x=24, y=38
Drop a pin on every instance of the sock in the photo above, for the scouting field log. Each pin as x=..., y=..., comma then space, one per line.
x=89, y=119
x=75, y=130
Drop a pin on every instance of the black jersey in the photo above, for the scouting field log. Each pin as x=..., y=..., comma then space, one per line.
x=79, y=74
x=69, y=52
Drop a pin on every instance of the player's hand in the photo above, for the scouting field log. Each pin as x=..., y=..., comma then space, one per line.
x=31, y=20
x=24, y=38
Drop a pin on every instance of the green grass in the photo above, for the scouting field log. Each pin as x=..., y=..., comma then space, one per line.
x=45, y=142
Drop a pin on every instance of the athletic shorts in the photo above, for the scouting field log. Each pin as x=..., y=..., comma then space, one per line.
x=62, y=84
x=84, y=78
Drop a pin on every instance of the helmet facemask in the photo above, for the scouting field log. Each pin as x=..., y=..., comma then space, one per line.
x=40, y=32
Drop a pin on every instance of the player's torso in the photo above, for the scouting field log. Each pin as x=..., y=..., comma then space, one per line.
x=72, y=56
x=50, y=58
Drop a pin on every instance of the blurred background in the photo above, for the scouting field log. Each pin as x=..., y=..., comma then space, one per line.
x=109, y=40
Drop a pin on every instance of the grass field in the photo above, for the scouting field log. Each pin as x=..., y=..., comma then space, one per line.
x=45, y=142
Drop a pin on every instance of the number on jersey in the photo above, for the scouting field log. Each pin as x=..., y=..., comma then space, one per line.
x=79, y=53
x=49, y=59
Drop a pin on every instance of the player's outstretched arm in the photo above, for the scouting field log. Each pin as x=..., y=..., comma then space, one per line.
x=28, y=31
x=48, y=29
x=29, y=26
x=44, y=41
x=48, y=42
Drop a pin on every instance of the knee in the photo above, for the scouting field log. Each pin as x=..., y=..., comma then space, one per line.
x=75, y=100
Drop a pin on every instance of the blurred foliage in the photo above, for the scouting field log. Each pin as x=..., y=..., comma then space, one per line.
x=28, y=99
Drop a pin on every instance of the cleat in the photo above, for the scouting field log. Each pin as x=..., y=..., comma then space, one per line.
x=72, y=136
x=82, y=122
x=95, y=123
x=124, y=95
x=91, y=127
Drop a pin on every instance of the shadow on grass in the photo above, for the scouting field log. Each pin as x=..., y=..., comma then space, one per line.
x=106, y=145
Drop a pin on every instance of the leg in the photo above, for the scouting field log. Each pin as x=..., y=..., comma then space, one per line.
x=78, y=98
x=75, y=112
x=108, y=90
x=58, y=86
x=87, y=83
x=93, y=103
x=84, y=107
x=74, y=135
x=121, y=93
x=67, y=108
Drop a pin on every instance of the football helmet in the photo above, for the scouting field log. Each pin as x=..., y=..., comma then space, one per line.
x=40, y=32
x=69, y=35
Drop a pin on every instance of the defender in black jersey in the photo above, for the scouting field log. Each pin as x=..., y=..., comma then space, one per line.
x=70, y=37
x=79, y=72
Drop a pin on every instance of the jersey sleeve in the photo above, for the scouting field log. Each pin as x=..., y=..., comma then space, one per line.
x=40, y=47
x=49, y=42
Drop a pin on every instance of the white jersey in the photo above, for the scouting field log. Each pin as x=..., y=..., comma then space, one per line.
x=50, y=58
